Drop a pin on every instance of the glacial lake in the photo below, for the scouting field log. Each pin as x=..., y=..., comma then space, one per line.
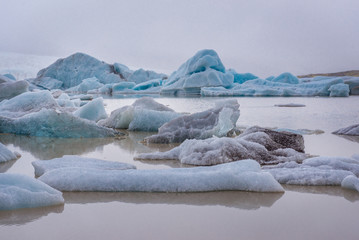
x=299, y=213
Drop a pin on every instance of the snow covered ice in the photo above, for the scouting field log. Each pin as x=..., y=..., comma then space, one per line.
x=315, y=171
x=145, y=114
x=7, y=155
x=263, y=145
x=71, y=161
x=244, y=175
x=204, y=69
x=217, y=121
x=20, y=191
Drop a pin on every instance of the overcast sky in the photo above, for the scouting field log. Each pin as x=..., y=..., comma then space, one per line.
x=265, y=37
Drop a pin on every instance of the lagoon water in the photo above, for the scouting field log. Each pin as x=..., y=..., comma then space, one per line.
x=299, y=213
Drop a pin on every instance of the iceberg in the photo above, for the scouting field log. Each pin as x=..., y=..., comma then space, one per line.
x=262, y=145
x=217, y=121
x=204, y=69
x=118, y=87
x=47, y=83
x=145, y=114
x=243, y=176
x=286, y=78
x=71, y=161
x=19, y=191
x=353, y=83
x=26, y=103
x=65, y=101
x=315, y=171
x=352, y=130
x=122, y=70
x=7, y=155
x=259, y=87
x=351, y=182
x=93, y=110
x=54, y=123
x=10, y=89
x=154, y=83
x=71, y=71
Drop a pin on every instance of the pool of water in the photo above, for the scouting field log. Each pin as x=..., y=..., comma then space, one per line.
x=299, y=213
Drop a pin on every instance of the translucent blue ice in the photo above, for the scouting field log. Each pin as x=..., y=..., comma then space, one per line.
x=141, y=76
x=204, y=69
x=241, y=77
x=93, y=110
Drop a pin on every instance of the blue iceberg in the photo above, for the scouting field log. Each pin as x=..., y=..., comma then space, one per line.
x=204, y=69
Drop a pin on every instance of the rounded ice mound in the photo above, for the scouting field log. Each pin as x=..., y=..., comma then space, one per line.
x=204, y=69
x=351, y=182
x=73, y=69
x=286, y=78
x=93, y=110
x=19, y=191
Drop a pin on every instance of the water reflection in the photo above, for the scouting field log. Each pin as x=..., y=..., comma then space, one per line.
x=23, y=216
x=350, y=138
x=337, y=191
x=233, y=199
x=44, y=148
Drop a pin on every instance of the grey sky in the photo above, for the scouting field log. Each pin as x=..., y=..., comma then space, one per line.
x=265, y=37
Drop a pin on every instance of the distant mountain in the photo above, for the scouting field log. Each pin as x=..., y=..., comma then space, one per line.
x=352, y=73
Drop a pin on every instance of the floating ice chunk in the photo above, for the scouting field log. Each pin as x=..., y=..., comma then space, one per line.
x=243, y=175
x=54, y=123
x=306, y=175
x=217, y=121
x=141, y=76
x=145, y=114
x=204, y=69
x=286, y=78
x=19, y=191
x=260, y=87
x=93, y=110
x=11, y=89
x=77, y=67
x=351, y=182
x=339, y=90
x=70, y=161
x=301, y=131
x=353, y=83
x=315, y=171
x=7, y=155
x=290, y=105
x=258, y=144
x=26, y=103
x=351, y=130
x=241, y=77
x=86, y=85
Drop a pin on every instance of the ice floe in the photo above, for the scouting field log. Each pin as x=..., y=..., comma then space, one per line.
x=315, y=171
x=145, y=114
x=290, y=105
x=243, y=175
x=263, y=145
x=7, y=155
x=217, y=121
x=204, y=69
x=71, y=161
x=352, y=130
x=19, y=191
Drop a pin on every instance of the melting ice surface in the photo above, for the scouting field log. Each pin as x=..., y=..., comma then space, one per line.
x=243, y=175
x=20, y=191
x=7, y=155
